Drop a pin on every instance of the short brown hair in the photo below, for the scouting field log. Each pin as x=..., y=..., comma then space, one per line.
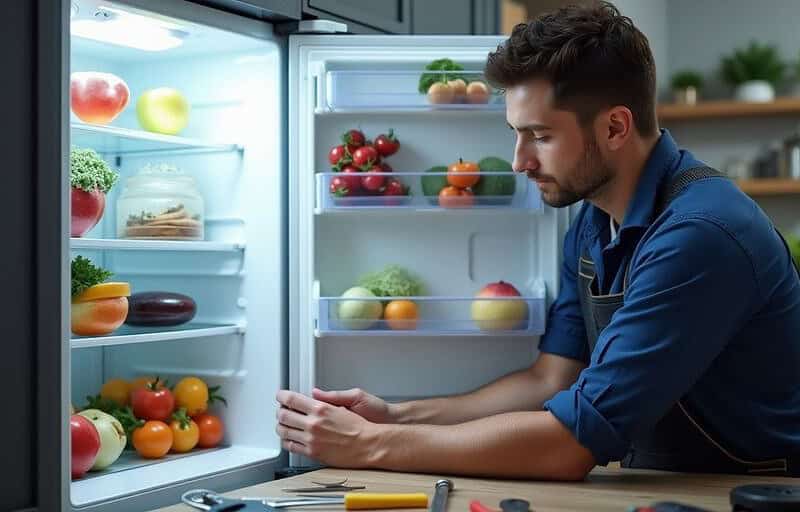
x=593, y=56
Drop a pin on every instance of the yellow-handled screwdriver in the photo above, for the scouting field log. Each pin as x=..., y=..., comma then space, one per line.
x=353, y=501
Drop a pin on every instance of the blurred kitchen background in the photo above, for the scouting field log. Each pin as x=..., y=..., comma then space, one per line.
x=728, y=74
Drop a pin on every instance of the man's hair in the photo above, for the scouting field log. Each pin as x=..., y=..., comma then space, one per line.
x=594, y=57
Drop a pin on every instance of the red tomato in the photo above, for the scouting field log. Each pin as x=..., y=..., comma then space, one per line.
x=375, y=182
x=87, y=208
x=387, y=144
x=211, y=430
x=344, y=186
x=365, y=156
x=152, y=440
x=353, y=139
x=394, y=188
x=85, y=443
x=97, y=97
x=153, y=402
x=339, y=156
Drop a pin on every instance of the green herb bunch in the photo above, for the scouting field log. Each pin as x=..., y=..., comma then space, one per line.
x=754, y=62
x=687, y=78
x=86, y=275
x=428, y=79
x=87, y=171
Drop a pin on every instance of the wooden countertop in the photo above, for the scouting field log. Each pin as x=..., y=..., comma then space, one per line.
x=606, y=489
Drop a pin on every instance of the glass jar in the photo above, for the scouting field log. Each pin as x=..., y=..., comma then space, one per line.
x=160, y=202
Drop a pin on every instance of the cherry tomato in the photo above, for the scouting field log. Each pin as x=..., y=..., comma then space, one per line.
x=185, y=432
x=387, y=144
x=153, y=402
x=152, y=440
x=191, y=393
x=373, y=183
x=339, y=156
x=117, y=390
x=394, y=188
x=211, y=430
x=365, y=156
x=353, y=139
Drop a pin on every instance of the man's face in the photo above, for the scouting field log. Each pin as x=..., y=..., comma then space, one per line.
x=552, y=148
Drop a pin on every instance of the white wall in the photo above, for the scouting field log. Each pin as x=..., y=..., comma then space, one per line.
x=650, y=16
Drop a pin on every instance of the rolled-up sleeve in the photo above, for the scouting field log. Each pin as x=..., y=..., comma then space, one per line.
x=566, y=333
x=692, y=286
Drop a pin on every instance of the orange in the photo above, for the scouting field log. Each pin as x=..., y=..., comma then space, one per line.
x=463, y=174
x=103, y=291
x=454, y=197
x=401, y=315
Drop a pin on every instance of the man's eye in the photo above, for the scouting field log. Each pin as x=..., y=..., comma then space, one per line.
x=540, y=140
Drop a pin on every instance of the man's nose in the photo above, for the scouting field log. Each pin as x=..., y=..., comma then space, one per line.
x=524, y=161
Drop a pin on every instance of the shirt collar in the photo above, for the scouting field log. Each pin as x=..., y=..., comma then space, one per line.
x=661, y=163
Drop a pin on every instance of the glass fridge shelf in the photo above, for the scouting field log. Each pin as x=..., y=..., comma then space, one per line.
x=484, y=316
x=124, y=141
x=153, y=245
x=128, y=334
x=402, y=90
x=423, y=191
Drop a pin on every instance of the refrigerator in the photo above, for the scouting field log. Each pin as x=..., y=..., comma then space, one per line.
x=278, y=247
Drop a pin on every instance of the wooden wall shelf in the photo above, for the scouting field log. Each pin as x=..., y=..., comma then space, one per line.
x=727, y=109
x=769, y=187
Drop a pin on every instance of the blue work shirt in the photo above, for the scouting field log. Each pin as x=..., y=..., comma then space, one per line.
x=711, y=316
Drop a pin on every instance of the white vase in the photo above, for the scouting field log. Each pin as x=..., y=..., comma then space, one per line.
x=756, y=91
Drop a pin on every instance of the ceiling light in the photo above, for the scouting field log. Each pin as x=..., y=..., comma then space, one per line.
x=123, y=28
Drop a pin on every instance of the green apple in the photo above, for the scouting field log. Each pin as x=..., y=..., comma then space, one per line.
x=162, y=110
x=112, y=437
x=359, y=314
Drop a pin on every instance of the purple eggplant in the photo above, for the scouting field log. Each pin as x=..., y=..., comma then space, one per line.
x=160, y=309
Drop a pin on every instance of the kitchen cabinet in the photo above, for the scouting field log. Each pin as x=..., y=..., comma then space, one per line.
x=375, y=16
x=409, y=16
x=273, y=10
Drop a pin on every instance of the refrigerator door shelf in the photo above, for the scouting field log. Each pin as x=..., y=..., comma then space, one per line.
x=352, y=90
x=101, y=244
x=113, y=140
x=128, y=334
x=521, y=194
x=487, y=316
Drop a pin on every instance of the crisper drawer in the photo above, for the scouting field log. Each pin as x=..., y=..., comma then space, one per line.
x=485, y=315
x=409, y=90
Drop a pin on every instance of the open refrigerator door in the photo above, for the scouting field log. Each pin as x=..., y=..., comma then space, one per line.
x=385, y=263
x=186, y=104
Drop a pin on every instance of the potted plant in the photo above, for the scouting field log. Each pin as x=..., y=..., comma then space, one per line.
x=90, y=178
x=754, y=71
x=686, y=85
x=98, y=307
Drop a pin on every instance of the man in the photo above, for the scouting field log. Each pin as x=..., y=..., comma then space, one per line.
x=674, y=342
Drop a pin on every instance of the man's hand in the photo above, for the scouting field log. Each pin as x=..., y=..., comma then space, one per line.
x=328, y=433
x=368, y=406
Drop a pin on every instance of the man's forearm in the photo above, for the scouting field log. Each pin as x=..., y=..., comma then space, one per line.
x=519, y=391
x=511, y=445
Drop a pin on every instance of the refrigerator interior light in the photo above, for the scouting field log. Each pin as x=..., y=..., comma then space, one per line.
x=123, y=28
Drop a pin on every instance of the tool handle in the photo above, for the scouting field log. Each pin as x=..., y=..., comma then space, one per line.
x=366, y=501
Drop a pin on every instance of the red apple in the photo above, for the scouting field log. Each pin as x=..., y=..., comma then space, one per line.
x=499, y=315
x=85, y=444
x=97, y=97
x=87, y=208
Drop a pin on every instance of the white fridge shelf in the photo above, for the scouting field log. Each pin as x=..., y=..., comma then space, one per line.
x=402, y=90
x=153, y=245
x=503, y=190
x=125, y=141
x=492, y=316
x=127, y=334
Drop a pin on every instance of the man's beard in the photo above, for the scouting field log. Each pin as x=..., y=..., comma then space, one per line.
x=583, y=181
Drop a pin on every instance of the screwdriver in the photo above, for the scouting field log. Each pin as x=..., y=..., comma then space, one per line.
x=353, y=501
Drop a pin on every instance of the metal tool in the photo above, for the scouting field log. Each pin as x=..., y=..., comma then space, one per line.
x=210, y=501
x=327, y=487
x=515, y=505
x=441, y=491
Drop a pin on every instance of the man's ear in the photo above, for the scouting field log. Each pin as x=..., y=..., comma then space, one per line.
x=617, y=127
